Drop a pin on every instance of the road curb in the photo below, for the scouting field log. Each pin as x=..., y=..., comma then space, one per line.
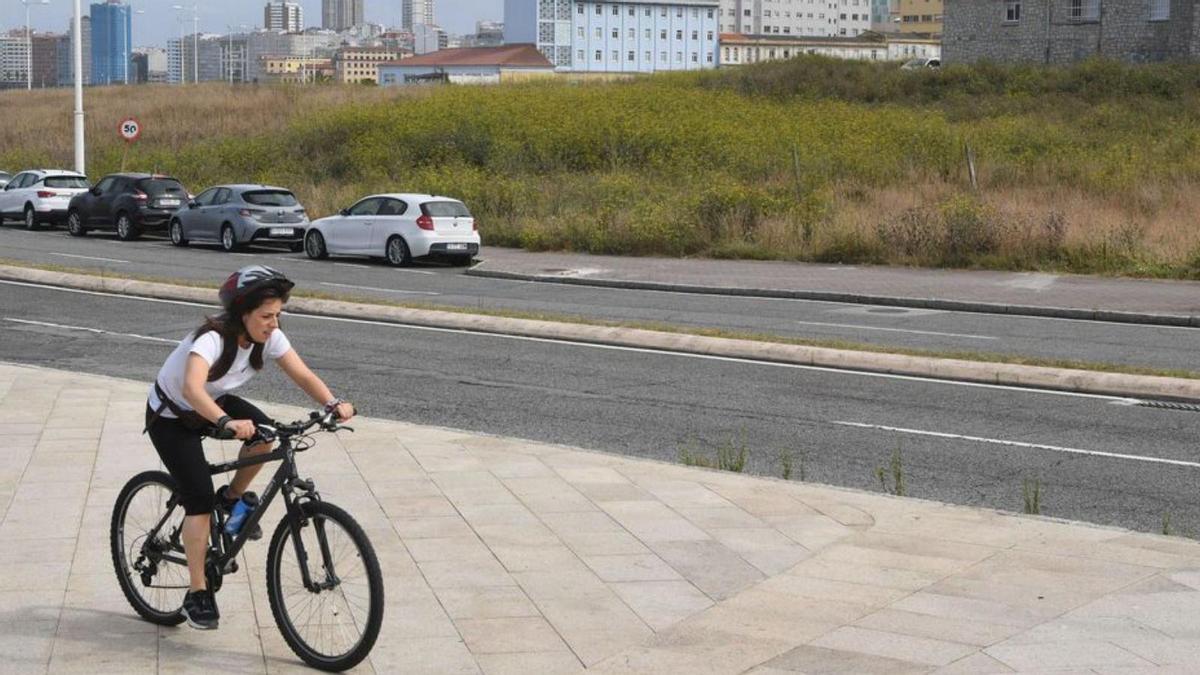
x=1061, y=379
x=856, y=298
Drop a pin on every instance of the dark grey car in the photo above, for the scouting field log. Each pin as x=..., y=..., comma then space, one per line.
x=237, y=215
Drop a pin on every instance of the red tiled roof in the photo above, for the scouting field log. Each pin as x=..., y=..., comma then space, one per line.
x=522, y=55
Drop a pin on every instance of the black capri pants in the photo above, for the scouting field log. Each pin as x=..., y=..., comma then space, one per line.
x=182, y=451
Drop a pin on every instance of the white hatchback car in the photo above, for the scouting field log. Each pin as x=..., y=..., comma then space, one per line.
x=399, y=228
x=41, y=196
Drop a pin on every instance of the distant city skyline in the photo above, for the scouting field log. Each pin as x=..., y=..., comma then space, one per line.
x=158, y=24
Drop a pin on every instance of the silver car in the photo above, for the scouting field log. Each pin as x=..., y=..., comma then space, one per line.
x=4, y=178
x=237, y=215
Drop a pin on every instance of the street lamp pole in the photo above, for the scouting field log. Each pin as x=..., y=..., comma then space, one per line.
x=77, y=39
x=29, y=43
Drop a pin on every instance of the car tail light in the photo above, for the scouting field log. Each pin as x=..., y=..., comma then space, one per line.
x=474, y=225
x=140, y=196
x=425, y=222
x=46, y=194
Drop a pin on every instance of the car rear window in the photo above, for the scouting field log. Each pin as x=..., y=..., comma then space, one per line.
x=66, y=182
x=270, y=198
x=156, y=187
x=445, y=209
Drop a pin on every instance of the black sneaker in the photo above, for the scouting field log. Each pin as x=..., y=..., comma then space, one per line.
x=227, y=503
x=200, y=610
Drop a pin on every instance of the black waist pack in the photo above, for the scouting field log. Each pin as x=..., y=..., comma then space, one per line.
x=190, y=419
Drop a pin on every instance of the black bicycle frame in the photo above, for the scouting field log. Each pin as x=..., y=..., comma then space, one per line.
x=283, y=481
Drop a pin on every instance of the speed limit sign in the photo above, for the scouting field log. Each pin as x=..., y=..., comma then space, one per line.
x=130, y=129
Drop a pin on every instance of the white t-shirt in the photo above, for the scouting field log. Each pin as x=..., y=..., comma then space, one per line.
x=208, y=346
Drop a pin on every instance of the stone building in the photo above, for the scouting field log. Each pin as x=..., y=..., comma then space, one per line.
x=1064, y=31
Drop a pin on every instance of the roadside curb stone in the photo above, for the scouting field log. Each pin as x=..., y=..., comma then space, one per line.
x=1060, y=379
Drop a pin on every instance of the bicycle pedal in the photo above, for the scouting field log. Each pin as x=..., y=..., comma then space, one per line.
x=230, y=567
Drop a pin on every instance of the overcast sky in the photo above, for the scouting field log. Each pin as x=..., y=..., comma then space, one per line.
x=158, y=23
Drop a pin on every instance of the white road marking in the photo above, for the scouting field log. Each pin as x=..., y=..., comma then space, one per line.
x=373, y=288
x=98, y=331
x=897, y=330
x=365, y=267
x=1020, y=444
x=397, y=269
x=90, y=257
x=658, y=352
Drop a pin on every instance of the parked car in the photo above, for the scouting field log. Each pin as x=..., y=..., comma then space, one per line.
x=397, y=227
x=4, y=178
x=130, y=203
x=41, y=196
x=236, y=215
x=920, y=63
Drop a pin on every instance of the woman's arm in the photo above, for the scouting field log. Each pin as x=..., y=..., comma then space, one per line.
x=307, y=380
x=194, y=377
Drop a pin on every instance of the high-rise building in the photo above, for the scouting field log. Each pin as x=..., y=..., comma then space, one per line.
x=112, y=27
x=415, y=13
x=340, y=15
x=66, y=53
x=14, y=59
x=45, y=60
x=283, y=16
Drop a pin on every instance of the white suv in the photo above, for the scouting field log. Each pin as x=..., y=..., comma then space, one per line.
x=41, y=196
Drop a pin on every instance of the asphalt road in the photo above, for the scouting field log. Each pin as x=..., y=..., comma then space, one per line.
x=1098, y=459
x=1153, y=346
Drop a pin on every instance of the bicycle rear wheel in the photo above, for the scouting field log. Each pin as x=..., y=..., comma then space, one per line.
x=153, y=584
x=334, y=626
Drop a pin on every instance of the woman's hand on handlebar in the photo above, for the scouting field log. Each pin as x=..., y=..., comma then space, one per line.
x=242, y=429
x=344, y=411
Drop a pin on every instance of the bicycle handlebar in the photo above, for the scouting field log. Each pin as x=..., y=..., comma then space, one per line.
x=266, y=433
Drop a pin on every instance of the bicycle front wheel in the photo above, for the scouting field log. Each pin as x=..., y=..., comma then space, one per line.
x=332, y=624
x=147, y=548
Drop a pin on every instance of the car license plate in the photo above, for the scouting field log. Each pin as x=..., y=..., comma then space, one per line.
x=282, y=231
x=456, y=247
x=168, y=202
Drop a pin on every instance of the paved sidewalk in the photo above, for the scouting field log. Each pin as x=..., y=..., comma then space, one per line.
x=1017, y=292
x=505, y=556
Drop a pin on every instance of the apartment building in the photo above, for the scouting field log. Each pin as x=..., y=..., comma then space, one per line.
x=353, y=65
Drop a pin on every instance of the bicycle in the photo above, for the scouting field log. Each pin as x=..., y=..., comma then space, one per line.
x=342, y=597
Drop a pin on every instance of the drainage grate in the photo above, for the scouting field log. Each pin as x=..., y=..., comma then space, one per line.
x=1171, y=405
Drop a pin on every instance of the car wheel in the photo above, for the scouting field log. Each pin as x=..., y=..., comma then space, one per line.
x=126, y=230
x=75, y=225
x=314, y=245
x=177, y=234
x=30, y=218
x=397, y=252
x=229, y=240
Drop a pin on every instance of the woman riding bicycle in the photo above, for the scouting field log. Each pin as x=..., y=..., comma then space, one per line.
x=190, y=398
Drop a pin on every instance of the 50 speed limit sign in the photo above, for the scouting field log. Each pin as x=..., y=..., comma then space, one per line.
x=130, y=129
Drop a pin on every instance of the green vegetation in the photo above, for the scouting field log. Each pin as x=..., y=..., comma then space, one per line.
x=730, y=455
x=1031, y=493
x=897, y=486
x=1083, y=169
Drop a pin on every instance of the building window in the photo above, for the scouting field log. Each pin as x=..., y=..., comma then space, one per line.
x=1012, y=10
x=710, y=36
x=1160, y=10
x=649, y=34
x=695, y=58
x=580, y=31
x=580, y=55
x=616, y=56
x=679, y=13
x=710, y=14
x=678, y=57
x=599, y=9
x=632, y=33
x=599, y=33
x=678, y=35
x=663, y=13
x=598, y=56
x=662, y=56
x=616, y=10
x=662, y=34
x=631, y=56
x=580, y=9
x=632, y=10
x=647, y=11
x=1084, y=10
x=647, y=57
x=616, y=33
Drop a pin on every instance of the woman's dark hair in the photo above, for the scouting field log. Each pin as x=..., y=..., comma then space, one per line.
x=231, y=328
